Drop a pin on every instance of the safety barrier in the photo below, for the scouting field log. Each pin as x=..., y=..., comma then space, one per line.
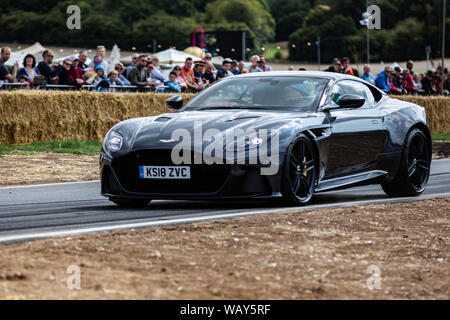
x=40, y=115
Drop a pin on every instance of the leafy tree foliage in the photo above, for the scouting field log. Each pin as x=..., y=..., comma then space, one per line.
x=408, y=26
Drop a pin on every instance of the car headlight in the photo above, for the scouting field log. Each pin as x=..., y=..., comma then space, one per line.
x=247, y=142
x=114, y=141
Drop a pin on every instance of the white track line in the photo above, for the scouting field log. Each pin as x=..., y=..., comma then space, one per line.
x=48, y=184
x=41, y=235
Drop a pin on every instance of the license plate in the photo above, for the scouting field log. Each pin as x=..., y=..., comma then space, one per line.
x=163, y=172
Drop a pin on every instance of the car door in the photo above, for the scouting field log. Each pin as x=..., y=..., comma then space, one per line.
x=357, y=134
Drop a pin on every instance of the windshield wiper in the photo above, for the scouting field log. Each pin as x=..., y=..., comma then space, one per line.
x=231, y=107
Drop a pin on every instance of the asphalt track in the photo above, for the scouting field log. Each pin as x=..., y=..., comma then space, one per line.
x=63, y=209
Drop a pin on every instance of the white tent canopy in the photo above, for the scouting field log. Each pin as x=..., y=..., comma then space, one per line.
x=36, y=50
x=172, y=56
x=169, y=56
x=72, y=57
x=114, y=57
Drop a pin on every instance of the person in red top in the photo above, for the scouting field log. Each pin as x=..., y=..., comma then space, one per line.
x=75, y=72
x=188, y=75
x=408, y=82
x=345, y=66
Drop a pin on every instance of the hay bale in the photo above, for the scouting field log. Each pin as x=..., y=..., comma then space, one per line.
x=437, y=109
x=31, y=116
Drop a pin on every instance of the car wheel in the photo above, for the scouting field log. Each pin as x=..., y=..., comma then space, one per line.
x=414, y=170
x=130, y=202
x=299, y=173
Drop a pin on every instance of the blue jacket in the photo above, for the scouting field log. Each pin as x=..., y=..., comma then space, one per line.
x=368, y=78
x=173, y=87
x=382, y=81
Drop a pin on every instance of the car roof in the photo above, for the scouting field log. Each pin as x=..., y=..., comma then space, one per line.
x=319, y=74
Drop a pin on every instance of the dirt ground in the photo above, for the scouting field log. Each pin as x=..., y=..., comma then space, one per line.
x=401, y=251
x=59, y=167
x=46, y=168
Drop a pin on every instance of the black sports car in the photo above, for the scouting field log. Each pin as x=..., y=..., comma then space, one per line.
x=270, y=134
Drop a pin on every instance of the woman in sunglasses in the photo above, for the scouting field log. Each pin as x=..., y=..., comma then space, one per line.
x=180, y=79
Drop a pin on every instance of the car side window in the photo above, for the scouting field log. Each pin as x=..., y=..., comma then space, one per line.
x=352, y=87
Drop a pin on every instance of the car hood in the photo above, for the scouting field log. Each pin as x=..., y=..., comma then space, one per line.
x=157, y=131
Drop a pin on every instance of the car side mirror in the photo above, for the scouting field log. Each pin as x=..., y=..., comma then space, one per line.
x=175, y=102
x=351, y=101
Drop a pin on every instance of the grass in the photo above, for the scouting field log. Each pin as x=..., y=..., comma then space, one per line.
x=441, y=136
x=89, y=147
x=67, y=146
x=271, y=51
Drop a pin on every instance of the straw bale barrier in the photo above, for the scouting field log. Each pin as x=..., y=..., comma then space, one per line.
x=71, y=115
x=31, y=116
x=438, y=111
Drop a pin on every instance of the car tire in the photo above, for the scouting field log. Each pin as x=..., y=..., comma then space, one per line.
x=414, y=170
x=130, y=202
x=299, y=172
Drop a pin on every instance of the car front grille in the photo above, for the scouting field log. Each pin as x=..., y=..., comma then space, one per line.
x=204, y=178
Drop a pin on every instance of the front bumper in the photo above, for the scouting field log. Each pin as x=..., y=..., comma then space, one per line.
x=120, y=178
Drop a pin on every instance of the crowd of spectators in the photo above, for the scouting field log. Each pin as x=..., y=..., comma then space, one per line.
x=194, y=76
x=144, y=71
x=398, y=81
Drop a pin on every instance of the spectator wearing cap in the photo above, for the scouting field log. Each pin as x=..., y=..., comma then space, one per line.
x=188, y=75
x=346, y=66
x=75, y=72
x=382, y=79
x=4, y=72
x=82, y=58
x=138, y=76
x=172, y=84
x=120, y=68
x=29, y=68
x=254, y=67
x=101, y=52
x=101, y=74
x=45, y=67
x=235, y=68
x=199, y=70
x=367, y=76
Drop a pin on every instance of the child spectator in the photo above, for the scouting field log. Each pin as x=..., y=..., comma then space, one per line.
x=172, y=83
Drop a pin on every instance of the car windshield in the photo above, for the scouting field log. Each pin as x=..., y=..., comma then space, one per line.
x=270, y=93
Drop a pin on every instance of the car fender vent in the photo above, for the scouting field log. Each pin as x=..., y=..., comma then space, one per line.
x=163, y=119
x=320, y=132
